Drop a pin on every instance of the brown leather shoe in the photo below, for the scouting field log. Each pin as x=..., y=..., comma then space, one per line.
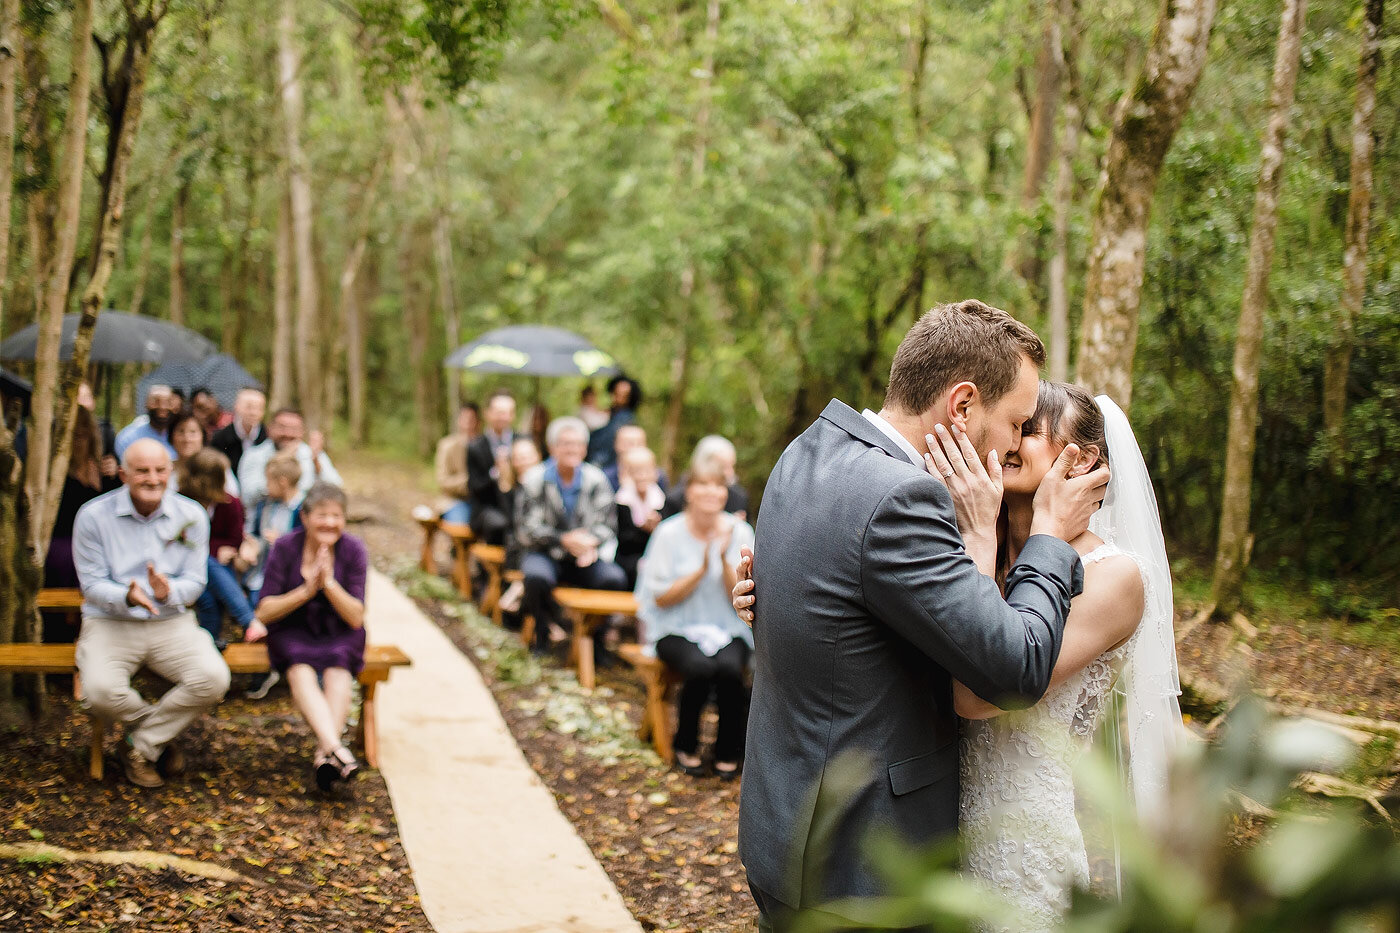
x=139, y=771
x=172, y=760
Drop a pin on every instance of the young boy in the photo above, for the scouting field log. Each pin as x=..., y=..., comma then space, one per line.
x=274, y=516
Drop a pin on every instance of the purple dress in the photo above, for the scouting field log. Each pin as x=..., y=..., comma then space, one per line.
x=315, y=634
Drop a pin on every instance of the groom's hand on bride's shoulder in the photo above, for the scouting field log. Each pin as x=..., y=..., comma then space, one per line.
x=1065, y=502
x=743, y=588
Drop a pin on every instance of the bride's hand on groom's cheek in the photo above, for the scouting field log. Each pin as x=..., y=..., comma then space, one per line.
x=976, y=487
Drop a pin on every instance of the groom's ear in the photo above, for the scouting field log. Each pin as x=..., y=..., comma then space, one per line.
x=961, y=398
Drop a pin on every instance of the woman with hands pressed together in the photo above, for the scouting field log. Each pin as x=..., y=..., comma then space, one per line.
x=312, y=612
x=683, y=594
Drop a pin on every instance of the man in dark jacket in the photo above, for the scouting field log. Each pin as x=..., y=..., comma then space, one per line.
x=486, y=456
x=245, y=431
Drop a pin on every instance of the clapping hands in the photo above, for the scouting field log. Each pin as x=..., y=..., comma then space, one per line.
x=322, y=571
x=160, y=590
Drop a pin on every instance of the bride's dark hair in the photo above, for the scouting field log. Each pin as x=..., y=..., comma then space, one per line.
x=1068, y=414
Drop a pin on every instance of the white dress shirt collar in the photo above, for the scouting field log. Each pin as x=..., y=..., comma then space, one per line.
x=909, y=449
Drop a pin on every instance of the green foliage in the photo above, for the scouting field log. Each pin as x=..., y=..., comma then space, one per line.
x=1331, y=870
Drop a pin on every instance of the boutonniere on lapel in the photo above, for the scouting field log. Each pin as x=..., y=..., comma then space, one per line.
x=182, y=537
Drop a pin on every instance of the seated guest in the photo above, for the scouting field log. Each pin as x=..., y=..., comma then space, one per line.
x=588, y=411
x=203, y=476
x=567, y=526
x=629, y=436
x=450, y=465
x=524, y=456
x=626, y=396
x=285, y=436
x=639, y=504
x=688, y=621
x=312, y=612
x=278, y=513
x=718, y=452
x=153, y=424
x=487, y=456
x=207, y=409
x=83, y=483
x=245, y=431
x=142, y=554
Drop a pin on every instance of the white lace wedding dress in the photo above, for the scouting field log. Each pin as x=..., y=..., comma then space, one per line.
x=1018, y=807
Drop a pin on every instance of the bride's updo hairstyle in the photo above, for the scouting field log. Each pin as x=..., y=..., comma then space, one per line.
x=1068, y=414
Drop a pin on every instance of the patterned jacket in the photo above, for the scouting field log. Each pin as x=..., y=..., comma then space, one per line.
x=541, y=518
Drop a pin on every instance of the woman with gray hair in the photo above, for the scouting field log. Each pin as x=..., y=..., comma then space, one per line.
x=312, y=611
x=712, y=452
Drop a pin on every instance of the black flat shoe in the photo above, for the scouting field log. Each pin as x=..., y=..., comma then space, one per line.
x=692, y=770
x=729, y=775
x=327, y=772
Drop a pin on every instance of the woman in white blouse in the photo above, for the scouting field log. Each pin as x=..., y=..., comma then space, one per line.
x=688, y=621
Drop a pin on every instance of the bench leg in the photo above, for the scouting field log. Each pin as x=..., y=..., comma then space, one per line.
x=461, y=571
x=491, y=597
x=527, y=631
x=583, y=650
x=99, y=732
x=369, y=727
x=659, y=715
x=425, y=559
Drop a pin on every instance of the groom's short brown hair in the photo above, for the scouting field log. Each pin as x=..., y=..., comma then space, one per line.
x=966, y=341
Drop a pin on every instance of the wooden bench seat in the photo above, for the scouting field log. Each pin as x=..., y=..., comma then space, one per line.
x=242, y=658
x=588, y=609
x=491, y=558
x=60, y=599
x=656, y=715
x=430, y=527
x=462, y=539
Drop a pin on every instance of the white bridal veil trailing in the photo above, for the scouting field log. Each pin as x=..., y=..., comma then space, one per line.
x=1149, y=684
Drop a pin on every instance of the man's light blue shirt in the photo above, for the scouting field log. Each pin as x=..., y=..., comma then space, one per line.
x=136, y=431
x=252, y=471
x=888, y=430
x=112, y=543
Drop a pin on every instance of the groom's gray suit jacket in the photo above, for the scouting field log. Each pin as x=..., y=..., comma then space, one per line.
x=868, y=607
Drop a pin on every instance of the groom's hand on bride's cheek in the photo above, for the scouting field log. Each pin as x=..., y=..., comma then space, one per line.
x=1064, y=503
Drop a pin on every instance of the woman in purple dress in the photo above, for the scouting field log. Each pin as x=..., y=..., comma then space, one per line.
x=312, y=610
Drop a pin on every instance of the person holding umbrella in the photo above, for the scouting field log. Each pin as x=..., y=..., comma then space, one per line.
x=155, y=423
x=626, y=396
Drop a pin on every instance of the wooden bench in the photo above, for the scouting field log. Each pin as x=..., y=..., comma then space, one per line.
x=656, y=715
x=430, y=528
x=60, y=599
x=380, y=660
x=588, y=609
x=462, y=539
x=492, y=559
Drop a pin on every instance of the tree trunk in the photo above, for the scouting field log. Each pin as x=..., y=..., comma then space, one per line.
x=680, y=367
x=1363, y=147
x=280, y=380
x=1040, y=139
x=1147, y=119
x=46, y=403
x=177, y=253
x=351, y=314
x=1232, y=552
x=9, y=75
x=447, y=289
x=416, y=313
x=96, y=292
x=1067, y=47
x=299, y=182
x=143, y=258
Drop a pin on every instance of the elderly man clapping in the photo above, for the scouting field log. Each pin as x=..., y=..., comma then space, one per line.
x=141, y=554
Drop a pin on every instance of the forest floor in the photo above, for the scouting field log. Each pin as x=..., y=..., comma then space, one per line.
x=668, y=842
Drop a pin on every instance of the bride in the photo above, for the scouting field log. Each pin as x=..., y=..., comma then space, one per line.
x=1017, y=809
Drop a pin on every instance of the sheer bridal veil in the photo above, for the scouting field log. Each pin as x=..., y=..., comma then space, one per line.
x=1149, y=682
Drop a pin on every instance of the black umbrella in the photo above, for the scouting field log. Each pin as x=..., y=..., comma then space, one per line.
x=12, y=386
x=533, y=351
x=221, y=374
x=118, y=338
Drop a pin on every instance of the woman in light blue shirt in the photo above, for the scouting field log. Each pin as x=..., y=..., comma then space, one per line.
x=688, y=622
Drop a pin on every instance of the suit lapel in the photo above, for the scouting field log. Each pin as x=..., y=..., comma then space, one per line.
x=855, y=424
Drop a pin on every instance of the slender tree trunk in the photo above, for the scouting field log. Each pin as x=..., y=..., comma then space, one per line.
x=1067, y=47
x=299, y=183
x=46, y=405
x=143, y=258
x=1358, y=225
x=1147, y=119
x=228, y=331
x=447, y=292
x=417, y=315
x=680, y=367
x=351, y=315
x=1232, y=552
x=280, y=381
x=177, y=253
x=9, y=76
x=1040, y=140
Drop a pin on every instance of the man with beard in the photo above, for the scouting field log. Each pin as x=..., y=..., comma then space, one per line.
x=153, y=425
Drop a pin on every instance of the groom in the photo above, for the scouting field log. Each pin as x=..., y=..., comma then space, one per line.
x=871, y=606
